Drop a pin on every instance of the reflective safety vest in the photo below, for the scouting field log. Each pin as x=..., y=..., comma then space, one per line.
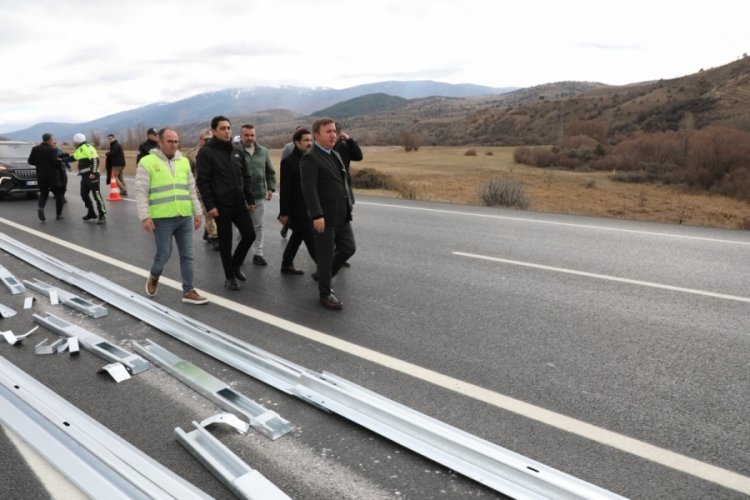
x=87, y=157
x=168, y=195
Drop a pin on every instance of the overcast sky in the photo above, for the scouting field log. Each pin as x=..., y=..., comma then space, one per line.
x=75, y=61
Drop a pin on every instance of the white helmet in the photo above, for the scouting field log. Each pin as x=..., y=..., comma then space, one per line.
x=79, y=138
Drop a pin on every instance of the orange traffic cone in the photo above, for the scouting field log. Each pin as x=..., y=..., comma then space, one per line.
x=114, y=191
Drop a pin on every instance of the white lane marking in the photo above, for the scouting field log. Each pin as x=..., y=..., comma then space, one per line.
x=605, y=277
x=670, y=459
x=57, y=485
x=557, y=223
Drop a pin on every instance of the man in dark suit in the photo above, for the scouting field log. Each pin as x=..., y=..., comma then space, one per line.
x=329, y=201
x=292, y=208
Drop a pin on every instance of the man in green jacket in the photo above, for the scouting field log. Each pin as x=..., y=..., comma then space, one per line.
x=263, y=183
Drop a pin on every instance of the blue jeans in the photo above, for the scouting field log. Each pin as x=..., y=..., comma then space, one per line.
x=181, y=228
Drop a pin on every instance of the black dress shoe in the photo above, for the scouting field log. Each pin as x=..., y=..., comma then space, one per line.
x=258, y=260
x=40, y=213
x=331, y=302
x=291, y=270
x=231, y=284
x=239, y=274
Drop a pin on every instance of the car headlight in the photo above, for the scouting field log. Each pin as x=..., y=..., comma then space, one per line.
x=3, y=168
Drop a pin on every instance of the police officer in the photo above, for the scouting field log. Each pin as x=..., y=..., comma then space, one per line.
x=88, y=168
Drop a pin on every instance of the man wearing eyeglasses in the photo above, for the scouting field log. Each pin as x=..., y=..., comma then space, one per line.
x=167, y=205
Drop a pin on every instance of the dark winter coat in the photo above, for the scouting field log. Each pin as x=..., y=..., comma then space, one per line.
x=291, y=199
x=44, y=158
x=223, y=180
x=145, y=148
x=115, y=155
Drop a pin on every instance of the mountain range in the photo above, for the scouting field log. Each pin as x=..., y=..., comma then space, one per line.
x=433, y=113
x=297, y=101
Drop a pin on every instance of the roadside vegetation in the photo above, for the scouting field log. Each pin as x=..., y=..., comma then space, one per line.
x=446, y=174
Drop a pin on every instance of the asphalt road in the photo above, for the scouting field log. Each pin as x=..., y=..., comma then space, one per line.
x=614, y=351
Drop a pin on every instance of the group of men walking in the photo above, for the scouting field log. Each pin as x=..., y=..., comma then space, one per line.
x=228, y=184
x=231, y=184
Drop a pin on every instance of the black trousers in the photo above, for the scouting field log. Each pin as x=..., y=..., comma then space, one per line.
x=333, y=247
x=240, y=217
x=44, y=191
x=91, y=186
x=300, y=233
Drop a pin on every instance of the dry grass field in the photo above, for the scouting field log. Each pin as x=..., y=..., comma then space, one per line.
x=446, y=174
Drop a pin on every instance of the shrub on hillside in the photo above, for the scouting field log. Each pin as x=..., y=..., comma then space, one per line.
x=370, y=178
x=536, y=156
x=470, y=152
x=504, y=193
x=715, y=154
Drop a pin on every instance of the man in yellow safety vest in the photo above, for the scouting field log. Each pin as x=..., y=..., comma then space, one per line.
x=167, y=205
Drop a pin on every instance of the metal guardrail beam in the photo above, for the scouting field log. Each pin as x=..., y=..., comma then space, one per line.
x=485, y=462
x=6, y=312
x=96, y=460
x=10, y=282
x=240, y=478
x=69, y=299
x=93, y=343
x=263, y=420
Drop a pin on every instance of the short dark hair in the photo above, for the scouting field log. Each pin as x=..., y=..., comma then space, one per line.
x=46, y=137
x=248, y=125
x=110, y=135
x=321, y=122
x=216, y=119
x=299, y=133
x=151, y=131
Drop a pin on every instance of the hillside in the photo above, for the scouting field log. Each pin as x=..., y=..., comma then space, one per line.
x=538, y=115
x=367, y=104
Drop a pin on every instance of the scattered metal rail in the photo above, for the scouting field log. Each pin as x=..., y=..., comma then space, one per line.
x=93, y=343
x=240, y=478
x=478, y=459
x=69, y=299
x=97, y=461
x=265, y=421
x=10, y=281
x=6, y=312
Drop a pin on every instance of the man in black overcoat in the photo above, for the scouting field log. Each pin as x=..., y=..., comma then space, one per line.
x=292, y=208
x=48, y=174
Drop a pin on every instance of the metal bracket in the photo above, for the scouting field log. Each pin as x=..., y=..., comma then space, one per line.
x=94, y=343
x=240, y=478
x=69, y=299
x=227, y=419
x=116, y=370
x=265, y=421
x=6, y=312
x=55, y=347
x=14, y=339
x=10, y=281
